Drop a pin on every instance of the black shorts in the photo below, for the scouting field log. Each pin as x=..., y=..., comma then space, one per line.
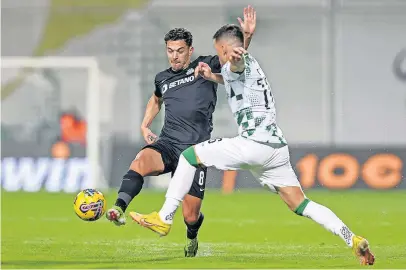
x=170, y=156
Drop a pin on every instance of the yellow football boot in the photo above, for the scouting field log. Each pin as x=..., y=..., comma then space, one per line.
x=152, y=221
x=360, y=246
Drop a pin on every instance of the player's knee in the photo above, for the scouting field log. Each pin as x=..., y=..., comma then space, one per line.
x=191, y=217
x=141, y=165
x=191, y=214
x=138, y=165
x=147, y=163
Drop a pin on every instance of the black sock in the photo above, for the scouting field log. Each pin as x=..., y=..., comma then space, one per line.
x=130, y=187
x=192, y=230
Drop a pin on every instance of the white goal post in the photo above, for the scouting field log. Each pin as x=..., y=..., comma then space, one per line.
x=92, y=103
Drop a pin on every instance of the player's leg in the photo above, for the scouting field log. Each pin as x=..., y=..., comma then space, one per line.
x=149, y=161
x=193, y=219
x=295, y=199
x=192, y=216
x=297, y=202
x=191, y=206
x=224, y=154
x=281, y=178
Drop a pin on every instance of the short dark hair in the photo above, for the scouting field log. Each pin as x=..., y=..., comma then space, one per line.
x=179, y=34
x=229, y=31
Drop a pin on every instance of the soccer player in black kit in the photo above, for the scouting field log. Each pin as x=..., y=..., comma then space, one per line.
x=189, y=105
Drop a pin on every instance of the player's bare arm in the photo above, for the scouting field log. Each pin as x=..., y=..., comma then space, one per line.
x=204, y=70
x=236, y=59
x=248, y=25
x=152, y=110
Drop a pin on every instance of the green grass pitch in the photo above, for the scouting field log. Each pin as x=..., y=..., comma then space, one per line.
x=246, y=229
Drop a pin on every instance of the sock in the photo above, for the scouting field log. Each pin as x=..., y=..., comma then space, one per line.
x=131, y=185
x=326, y=218
x=179, y=186
x=193, y=229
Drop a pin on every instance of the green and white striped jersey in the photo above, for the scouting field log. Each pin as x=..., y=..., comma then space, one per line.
x=251, y=101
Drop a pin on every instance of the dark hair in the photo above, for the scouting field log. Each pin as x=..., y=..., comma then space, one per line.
x=229, y=31
x=179, y=34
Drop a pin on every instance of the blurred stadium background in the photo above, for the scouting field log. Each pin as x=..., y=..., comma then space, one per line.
x=337, y=68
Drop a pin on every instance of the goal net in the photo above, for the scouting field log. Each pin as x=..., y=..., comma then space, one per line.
x=50, y=124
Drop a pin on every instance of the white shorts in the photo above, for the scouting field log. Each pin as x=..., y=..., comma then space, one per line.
x=270, y=166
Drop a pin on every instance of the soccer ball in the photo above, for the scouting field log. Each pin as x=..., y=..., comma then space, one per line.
x=89, y=204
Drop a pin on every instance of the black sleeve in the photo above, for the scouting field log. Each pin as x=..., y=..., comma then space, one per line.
x=157, y=91
x=213, y=62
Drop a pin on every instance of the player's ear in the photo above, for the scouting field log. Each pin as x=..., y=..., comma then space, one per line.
x=191, y=50
x=224, y=49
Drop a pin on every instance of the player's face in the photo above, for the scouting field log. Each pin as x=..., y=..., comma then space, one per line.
x=222, y=49
x=179, y=54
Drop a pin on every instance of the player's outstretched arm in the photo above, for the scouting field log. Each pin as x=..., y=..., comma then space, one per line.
x=248, y=25
x=204, y=70
x=237, y=63
x=152, y=110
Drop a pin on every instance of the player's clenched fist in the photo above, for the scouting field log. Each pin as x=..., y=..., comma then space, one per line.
x=204, y=70
x=149, y=137
x=236, y=55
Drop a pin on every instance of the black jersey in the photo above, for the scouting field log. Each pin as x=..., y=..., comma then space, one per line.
x=189, y=102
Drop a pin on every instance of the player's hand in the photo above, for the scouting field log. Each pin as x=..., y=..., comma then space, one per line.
x=236, y=56
x=250, y=20
x=148, y=135
x=204, y=70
